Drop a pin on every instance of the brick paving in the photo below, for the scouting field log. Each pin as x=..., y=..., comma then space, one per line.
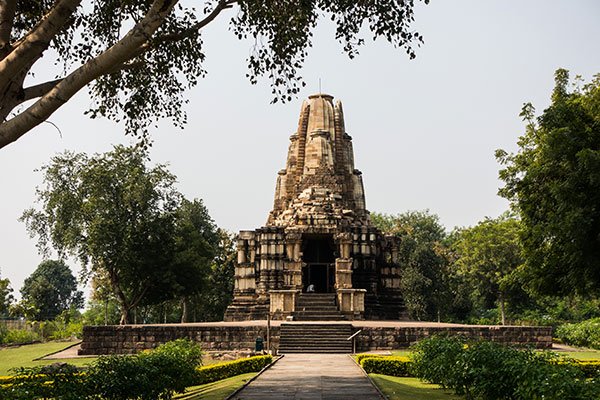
x=311, y=377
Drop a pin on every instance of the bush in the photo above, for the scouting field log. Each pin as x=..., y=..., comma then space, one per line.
x=20, y=336
x=394, y=366
x=486, y=370
x=57, y=381
x=217, y=372
x=155, y=374
x=152, y=375
x=585, y=334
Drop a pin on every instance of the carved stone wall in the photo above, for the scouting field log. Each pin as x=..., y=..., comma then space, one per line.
x=319, y=194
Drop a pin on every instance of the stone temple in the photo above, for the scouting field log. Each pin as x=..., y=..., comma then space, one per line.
x=318, y=236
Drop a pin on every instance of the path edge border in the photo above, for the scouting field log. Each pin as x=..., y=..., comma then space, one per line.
x=383, y=396
x=61, y=350
x=254, y=377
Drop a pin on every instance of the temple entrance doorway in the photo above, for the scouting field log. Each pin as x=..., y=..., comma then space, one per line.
x=318, y=253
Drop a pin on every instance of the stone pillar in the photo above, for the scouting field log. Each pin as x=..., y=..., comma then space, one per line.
x=282, y=303
x=293, y=263
x=352, y=303
x=245, y=283
x=343, y=264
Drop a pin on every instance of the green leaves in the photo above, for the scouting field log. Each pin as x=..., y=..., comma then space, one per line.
x=123, y=220
x=552, y=182
x=50, y=290
x=490, y=371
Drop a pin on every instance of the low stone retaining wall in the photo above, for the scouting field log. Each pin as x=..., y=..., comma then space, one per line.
x=392, y=338
x=128, y=339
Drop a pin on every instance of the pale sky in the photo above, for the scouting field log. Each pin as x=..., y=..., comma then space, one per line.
x=424, y=131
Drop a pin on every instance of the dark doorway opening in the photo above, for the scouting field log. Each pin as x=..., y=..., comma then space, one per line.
x=318, y=252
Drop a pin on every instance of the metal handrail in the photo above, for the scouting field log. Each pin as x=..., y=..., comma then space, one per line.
x=355, y=333
x=354, y=341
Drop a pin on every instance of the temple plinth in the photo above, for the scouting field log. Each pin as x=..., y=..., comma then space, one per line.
x=318, y=238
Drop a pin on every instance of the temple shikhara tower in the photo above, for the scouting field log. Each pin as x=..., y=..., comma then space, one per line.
x=318, y=256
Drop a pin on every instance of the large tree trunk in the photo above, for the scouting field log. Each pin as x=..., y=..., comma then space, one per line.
x=502, y=311
x=125, y=315
x=127, y=48
x=184, y=310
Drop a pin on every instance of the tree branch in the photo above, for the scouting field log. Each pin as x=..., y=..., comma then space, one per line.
x=7, y=15
x=117, y=54
x=173, y=37
x=42, y=89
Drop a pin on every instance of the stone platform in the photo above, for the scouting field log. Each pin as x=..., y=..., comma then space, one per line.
x=239, y=336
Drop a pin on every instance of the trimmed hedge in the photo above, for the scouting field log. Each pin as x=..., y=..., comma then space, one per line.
x=589, y=368
x=216, y=372
x=394, y=366
x=362, y=356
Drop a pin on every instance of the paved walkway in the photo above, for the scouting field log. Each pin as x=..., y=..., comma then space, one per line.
x=311, y=377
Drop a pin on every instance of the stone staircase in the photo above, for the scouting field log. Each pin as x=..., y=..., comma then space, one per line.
x=317, y=307
x=315, y=338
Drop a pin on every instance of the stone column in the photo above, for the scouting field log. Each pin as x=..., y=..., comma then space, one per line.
x=343, y=264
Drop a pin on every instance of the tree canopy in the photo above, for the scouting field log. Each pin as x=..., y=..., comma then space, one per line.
x=141, y=55
x=553, y=182
x=489, y=253
x=117, y=215
x=6, y=297
x=50, y=290
x=423, y=258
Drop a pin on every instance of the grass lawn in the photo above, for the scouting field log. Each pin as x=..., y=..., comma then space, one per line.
x=586, y=354
x=23, y=356
x=396, y=388
x=216, y=390
x=403, y=352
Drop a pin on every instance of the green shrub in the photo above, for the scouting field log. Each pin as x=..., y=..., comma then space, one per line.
x=20, y=336
x=394, y=366
x=586, y=333
x=57, y=381
x=216, y=372
x=490, y=371
x=153, y=375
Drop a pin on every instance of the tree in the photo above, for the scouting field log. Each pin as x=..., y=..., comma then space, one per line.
x=553, y=182
x=489, y=253
x=6, y=297
x=51, y=289
x=139, y=56
x=210, y=304
x=114, y=213
x=423, y=258
x=196, y=245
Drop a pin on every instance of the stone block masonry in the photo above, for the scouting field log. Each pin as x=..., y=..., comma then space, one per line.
x=398, y=337
x=130, y=339
x=241, y=336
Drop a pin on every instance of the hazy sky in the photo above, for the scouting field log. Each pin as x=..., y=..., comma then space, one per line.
x=424, y=130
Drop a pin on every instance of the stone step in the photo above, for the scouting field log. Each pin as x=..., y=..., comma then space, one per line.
x=320, y=351
x=315, y=338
